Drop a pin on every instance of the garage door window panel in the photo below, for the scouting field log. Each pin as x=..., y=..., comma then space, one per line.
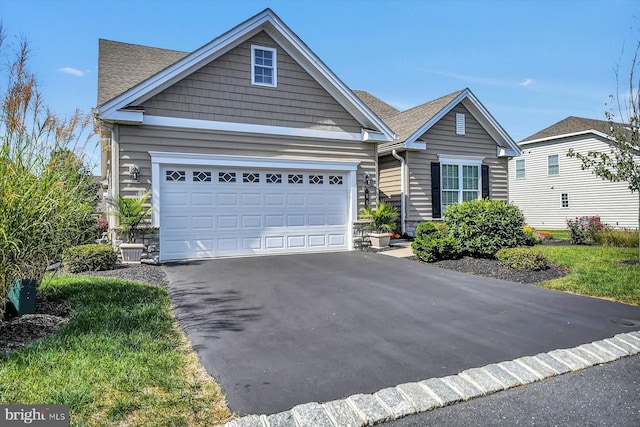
x=175, y=175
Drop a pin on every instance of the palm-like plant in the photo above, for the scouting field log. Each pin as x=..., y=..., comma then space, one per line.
x=130, y=212
x=382, y=219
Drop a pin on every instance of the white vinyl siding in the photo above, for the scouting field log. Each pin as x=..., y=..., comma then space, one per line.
x=264, y=66
x=553, y=165
x=520, y=169
x=540, y=195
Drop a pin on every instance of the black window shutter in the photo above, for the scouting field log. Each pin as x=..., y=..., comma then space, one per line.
x=436, y=208
x=485, y=181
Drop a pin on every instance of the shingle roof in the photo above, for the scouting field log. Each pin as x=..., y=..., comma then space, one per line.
x=121, y=66
x=378, y=106
x=570, y=125
x=406, y=123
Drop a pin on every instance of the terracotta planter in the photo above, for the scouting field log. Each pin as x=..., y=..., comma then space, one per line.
x=131, y=252
x=380, y=240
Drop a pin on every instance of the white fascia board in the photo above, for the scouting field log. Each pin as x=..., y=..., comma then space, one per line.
x=124, y=116
x=369, y=136
x=566, y=135
x=503, y=152
x=176, y=122
x=178, y=158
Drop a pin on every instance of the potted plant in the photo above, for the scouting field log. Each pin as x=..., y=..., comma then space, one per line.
x=130, y=213
x=382, y=220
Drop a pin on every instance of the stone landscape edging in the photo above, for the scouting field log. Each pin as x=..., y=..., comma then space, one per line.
x=392, y=403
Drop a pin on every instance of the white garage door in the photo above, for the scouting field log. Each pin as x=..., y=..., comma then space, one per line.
x=211, y=211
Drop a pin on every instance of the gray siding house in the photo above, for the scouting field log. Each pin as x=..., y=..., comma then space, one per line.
x=550, y=187
x=249, y=144
x=252, y=145
x=448, y=150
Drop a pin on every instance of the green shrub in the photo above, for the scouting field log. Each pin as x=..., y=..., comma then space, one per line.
x=522, y=259
x=619, y=238
x=383, y=219
x=483, y=227
x=93, y=257
x=433, y=243
x=531, y=236
x=583, y=230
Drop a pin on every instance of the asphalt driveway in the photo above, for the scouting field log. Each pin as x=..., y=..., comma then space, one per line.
x=283, y=330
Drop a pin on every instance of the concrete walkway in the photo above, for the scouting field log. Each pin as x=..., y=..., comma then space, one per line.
x=417, y=397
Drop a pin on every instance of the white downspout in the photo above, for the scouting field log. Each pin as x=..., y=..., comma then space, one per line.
x=402, y=190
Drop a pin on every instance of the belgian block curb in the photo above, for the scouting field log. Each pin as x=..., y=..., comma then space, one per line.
x=412, y=398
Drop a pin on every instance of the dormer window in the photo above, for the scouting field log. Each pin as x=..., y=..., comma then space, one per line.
x=263, y=66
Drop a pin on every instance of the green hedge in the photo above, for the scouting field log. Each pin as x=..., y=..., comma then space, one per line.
x=433, y=243
x=78, y=259
x=483, y=227
x=522, y=259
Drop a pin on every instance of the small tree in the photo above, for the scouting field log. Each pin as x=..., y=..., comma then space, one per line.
x=622, y=163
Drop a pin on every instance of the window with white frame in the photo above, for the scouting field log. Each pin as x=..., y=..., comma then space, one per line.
x=263, y=66
x=460, y=182
x=520, y=171
x=553, y=164
x=564, y=199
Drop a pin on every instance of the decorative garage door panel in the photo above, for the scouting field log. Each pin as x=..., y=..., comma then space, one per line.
x=211, y=212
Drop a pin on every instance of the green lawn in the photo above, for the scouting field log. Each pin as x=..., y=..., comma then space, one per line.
x=596, y=271
x=121, y=359
x=558, y=234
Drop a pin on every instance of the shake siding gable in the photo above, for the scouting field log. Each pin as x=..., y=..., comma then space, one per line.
x=222, y=91
x=442, y=139
x=539, y=195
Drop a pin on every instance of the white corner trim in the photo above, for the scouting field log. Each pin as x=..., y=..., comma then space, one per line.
x=176, y=158
x=456, y=159
x=249, y=128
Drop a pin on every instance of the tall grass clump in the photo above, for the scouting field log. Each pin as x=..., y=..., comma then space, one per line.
x=46, y=193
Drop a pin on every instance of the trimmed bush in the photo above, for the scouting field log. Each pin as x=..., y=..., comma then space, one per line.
x=433, y=243
x=93, y=257
x=531, y=236
x=522, y=259
x=483, y=227
x=617, y=238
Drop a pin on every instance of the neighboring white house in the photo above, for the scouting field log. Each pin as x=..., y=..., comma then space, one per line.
x=550, y=187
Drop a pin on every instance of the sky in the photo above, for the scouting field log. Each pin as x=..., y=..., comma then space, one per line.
x=530, y=63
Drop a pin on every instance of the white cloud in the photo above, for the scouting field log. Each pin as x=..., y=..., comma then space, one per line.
x=527, y=82
x=72, y=71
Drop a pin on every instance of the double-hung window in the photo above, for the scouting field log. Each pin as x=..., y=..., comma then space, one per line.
x=460, y=182
x=520, y=171
x=263, y=66
x=553, y=165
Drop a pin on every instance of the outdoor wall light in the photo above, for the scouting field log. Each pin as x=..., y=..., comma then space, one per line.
x=134, y=172
x=367, y=179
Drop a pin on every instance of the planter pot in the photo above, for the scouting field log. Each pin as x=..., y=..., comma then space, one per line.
x=22, y=295
x=380, y=240
x=131, y=252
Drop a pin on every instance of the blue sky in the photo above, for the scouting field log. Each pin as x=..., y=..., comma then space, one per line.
x=531, y=63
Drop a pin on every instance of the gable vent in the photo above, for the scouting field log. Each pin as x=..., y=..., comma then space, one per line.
x=460, y=123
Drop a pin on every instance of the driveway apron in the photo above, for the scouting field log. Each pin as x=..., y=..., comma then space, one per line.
x=277, y=331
